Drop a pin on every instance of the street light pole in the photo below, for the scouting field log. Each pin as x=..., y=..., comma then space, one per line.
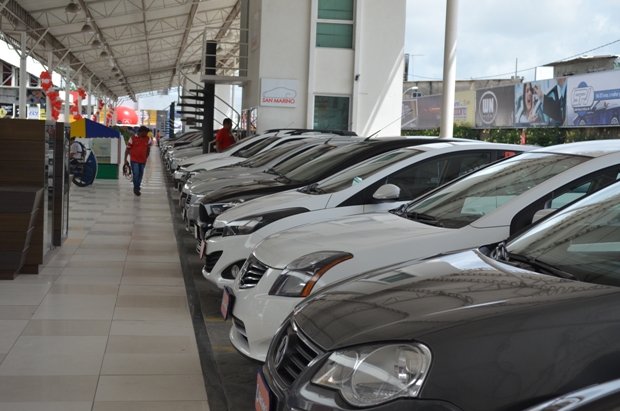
x=411, y=56
x=449, y=68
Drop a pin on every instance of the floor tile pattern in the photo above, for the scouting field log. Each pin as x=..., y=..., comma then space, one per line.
x=105, y=325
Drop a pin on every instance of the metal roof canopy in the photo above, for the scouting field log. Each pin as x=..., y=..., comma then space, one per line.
x=148, y=41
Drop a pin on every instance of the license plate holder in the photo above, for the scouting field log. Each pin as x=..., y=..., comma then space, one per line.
x=262, y=400
x=203, y=249
x=227, y=303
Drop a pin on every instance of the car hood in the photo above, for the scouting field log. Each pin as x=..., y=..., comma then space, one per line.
x=247, y=191
x=278, y=201
x=204, y=157
x=210, y=164
x=361, y=235
x=202, y=187
x=420, y=300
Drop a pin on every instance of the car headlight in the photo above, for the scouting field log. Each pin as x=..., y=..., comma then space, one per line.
x=252, y=223
x=298, y=278
x=372, y=375
x=213, y=210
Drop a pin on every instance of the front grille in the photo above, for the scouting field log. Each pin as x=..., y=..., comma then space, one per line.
x=211, y=260
x=251, y=272
x=297, y=354
x=188, y=200
x=198, y=245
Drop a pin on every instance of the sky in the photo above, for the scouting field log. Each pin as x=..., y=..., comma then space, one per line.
x=494, y=35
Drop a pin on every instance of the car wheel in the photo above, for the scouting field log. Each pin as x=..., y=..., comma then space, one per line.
x=614, y=121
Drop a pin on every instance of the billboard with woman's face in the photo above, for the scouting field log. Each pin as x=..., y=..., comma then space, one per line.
x=540, y=103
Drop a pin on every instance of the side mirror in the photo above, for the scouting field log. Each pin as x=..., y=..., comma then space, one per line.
x=387, y=192
x=542, y=213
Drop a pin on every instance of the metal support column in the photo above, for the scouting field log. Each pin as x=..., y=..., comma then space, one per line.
x=67, y=114
x=449, y=69
x=208, y=107
x=50, y=69
x=24, y=78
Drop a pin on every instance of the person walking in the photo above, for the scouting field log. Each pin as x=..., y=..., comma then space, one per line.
x=139, y=147
x=224, y=137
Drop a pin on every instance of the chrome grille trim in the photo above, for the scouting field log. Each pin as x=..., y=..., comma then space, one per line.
x=251, y=272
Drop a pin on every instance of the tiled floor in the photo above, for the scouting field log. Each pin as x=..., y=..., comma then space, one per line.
x=105, y=325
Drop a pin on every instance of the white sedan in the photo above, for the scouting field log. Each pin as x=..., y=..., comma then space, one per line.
x=481, y=208
x=378, y=184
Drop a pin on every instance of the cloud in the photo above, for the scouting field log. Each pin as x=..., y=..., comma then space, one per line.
x=493, y=34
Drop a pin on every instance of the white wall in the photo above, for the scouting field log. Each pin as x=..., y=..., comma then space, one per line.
x=286, y=51
x=381, y=47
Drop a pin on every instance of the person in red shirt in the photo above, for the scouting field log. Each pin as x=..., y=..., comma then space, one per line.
x=224, y=137
x=139, y=147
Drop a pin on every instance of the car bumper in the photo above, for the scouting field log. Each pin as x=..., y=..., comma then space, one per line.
x=301, y=394
x=228, y=250
x=256, y=318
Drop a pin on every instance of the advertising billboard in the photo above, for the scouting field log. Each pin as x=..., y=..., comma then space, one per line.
x=429, y=112
x=593, y=100
x=495, y=107
x=410, y=114
x=465, y=107
x=540, y=103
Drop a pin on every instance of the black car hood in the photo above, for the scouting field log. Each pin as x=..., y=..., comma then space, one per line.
x=247, y=191
x=433, y=295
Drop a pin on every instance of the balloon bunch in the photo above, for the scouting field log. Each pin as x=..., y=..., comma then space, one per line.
x=100, y=105
x=52, y=93
x=108, y=121
x=76, y=114
x=81, y=93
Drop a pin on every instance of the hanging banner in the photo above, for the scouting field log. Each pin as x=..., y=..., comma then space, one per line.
x=9, y=95
x=541, y=103
x=593, y=99
x=495, y=107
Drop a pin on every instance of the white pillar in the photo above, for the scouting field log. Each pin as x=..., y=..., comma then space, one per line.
x=89, y=106
x=114, y=118
x=105, y=111
x=449, y=68
x=48, y=103
x=67, y=98
x=79, y=96
x=24, y=78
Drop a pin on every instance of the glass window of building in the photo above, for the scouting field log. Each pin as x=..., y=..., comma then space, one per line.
x=331, y=113
x=335, y=24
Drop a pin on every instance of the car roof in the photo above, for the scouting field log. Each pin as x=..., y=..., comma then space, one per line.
x=594, y=148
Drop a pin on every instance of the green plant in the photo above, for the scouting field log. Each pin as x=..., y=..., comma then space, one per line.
x=124, y=132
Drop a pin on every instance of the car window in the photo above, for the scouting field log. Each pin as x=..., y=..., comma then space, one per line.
x=260, y=159
x=364, y=170
x=583, y=239
x=248, y=152
x=328, y=161
x=484, y=191
x=597, y=182
x=298, y=161
x=422, y=178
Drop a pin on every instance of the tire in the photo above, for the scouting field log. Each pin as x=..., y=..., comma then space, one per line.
x=86, y=177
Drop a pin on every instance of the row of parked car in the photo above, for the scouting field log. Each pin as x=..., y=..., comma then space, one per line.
x=413, y=273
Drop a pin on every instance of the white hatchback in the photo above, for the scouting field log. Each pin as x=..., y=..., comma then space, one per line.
x=481, y=208
x=378, y=184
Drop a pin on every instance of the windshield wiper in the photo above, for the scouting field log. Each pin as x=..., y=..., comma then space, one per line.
x=502, y=254
x=314, y=188
x=273, y=171
x=399, y=210
x=424, y=218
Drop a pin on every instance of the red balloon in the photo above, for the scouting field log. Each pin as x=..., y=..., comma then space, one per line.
x=126, y=115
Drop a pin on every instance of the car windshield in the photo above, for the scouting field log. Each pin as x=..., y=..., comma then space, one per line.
x=260, y=159
x=583, y=239
x=248, y=141
x=362, y=171
x=309, y=171
x=248, y=152
x=480, y=193
x=298, y=161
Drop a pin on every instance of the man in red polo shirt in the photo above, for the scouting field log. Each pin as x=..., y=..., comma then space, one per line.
x=139, y=146
x=224, y=137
